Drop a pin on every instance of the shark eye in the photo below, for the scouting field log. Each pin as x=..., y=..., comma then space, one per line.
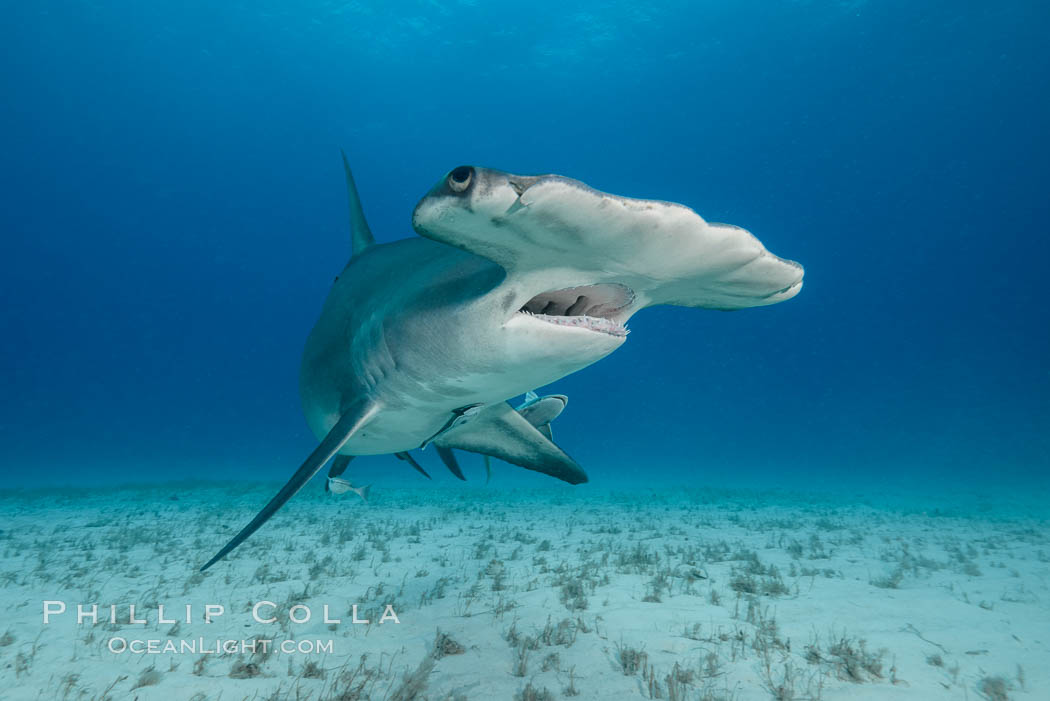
x=459, y=179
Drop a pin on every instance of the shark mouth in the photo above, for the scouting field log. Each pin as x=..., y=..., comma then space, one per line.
x=592, y=307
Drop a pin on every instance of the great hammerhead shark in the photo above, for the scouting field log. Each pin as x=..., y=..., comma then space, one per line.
x=513, y=282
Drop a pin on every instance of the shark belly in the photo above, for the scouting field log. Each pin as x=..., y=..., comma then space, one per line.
x=420, y=413
x=423, y=330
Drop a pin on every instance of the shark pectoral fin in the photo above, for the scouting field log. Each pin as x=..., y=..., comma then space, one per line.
x=503, y=433
x=449, y=458
x=339, y=465
x=545, y=429
x=355, y=417
x=407, y=457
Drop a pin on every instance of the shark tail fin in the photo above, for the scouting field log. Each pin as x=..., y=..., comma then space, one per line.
x=360, y=235
x=355, y=417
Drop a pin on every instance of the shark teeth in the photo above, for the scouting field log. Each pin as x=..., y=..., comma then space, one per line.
x=591, y=323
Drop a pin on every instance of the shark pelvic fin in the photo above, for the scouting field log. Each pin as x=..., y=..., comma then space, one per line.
x=407, y=457
x=360, y=235
x=355, y=417
x=449, y=458
x=503, y=433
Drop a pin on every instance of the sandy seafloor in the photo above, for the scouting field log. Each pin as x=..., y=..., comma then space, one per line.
x=561, y=593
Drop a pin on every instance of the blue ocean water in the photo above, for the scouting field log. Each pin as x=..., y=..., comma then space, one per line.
x=173, y=215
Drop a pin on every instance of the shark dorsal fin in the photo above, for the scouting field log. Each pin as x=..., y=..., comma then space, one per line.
x=360, y=235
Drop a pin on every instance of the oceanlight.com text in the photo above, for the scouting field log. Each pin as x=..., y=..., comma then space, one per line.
x=217, y=646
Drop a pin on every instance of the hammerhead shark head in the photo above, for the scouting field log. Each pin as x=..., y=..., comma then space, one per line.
x=513, y=283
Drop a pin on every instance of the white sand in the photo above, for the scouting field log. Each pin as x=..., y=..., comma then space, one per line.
x=553, y=589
